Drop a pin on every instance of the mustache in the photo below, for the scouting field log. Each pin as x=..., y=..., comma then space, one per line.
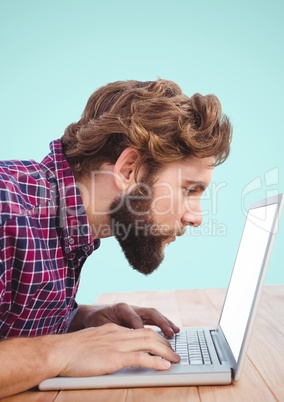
x=180, y=232
x=175, y=232
x=144, y=228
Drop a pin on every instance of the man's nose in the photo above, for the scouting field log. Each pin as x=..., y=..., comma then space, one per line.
x=192, y=217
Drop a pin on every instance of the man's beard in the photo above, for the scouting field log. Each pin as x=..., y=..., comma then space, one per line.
x=140, y=238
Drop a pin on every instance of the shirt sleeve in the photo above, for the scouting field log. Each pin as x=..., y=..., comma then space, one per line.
x=2, y=281
x=36, y=289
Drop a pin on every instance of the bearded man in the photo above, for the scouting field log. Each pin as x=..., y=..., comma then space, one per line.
x=110, y=174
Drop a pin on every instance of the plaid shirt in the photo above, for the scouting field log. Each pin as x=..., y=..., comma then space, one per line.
x=44, y=241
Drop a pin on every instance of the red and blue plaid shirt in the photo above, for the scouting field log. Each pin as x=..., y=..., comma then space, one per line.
x=44, y=240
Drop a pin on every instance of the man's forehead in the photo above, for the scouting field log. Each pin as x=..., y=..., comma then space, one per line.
x=193, y=169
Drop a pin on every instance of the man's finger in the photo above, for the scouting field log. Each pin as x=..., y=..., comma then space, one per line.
x=127, y=316
x=151, y=316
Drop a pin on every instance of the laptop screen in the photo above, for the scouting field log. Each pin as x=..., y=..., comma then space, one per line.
x=243, y=284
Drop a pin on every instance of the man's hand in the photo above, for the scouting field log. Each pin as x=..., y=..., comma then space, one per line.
x=124, y=315
x=92, y=351
x=108, y=348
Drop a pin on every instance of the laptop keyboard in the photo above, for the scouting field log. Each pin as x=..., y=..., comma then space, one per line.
x=191, y=346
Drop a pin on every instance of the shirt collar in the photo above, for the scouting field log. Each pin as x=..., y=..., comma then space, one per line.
x=73, y=217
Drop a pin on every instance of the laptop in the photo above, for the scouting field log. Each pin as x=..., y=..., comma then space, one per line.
x=216, y=355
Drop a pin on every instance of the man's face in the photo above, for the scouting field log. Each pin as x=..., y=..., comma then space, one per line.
x=152, y=214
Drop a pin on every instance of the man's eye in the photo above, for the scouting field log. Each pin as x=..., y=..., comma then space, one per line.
x=198, y=190
x=190, y=191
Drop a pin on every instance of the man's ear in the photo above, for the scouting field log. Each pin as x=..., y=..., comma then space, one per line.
x=124, y=168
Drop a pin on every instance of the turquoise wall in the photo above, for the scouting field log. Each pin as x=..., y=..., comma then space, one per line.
x=54, y=54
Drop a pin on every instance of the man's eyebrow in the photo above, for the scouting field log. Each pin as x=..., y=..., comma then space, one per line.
x=200, y=184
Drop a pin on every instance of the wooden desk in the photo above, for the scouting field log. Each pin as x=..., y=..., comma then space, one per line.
x=263, y=375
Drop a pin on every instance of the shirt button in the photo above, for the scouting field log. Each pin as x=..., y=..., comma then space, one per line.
x=71, y=240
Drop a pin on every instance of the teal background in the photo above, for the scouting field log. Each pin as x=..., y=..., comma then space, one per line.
x=55, y=53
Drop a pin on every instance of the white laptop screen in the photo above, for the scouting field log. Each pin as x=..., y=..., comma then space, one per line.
x=240, y=296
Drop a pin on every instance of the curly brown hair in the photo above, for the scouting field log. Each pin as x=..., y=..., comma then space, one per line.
x=155, y=118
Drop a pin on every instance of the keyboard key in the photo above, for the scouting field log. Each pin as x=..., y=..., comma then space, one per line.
x=195, y=361
x=191, y=346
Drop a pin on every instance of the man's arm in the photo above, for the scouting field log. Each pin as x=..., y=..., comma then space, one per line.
x=25, y=362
